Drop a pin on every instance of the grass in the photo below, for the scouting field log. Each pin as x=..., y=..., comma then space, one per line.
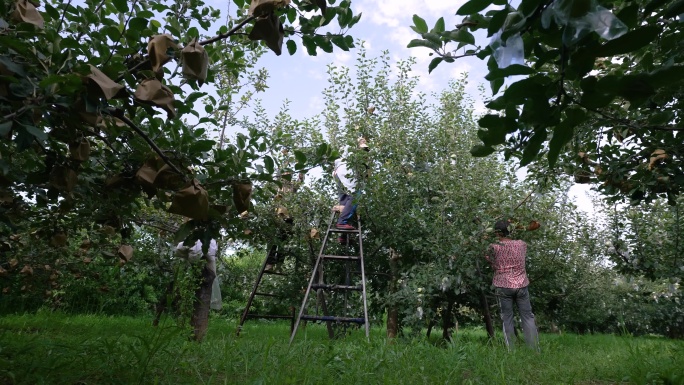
x=49, y=348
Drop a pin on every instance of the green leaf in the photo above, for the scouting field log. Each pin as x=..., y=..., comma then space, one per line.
x=422, y=43
x=629, y=15
x=480, y=151
x=12, y=66
x=652, y=6
x=496, y=85
x=439, y=26
x=511, y=70
x=629, y=42
x=39, y=134
x=5, y=128
x=473, y=6
x=420, y=24
x=533, y=146
x=291, y=14
x=322, y=149
x=666, y=76
x=462, y=36
x=434, y=38
x=301, y=158
x=434, y=63
x=322, y=4
x=674, y=9
x=354, y=20
x=121, y=5
x=269, y=164
x=563, y=132
x=497, y=21
x=291, y=47
x=324, y=43
x=340, y=42
x=310, y=45
x=52, y=12
x=183, y=231
x=137, y=23
x=202, y=145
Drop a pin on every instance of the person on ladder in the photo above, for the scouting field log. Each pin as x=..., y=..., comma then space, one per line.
x=347, y=187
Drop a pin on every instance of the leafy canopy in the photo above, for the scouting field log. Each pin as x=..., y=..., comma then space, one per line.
x=104, y=102
x=600, y=94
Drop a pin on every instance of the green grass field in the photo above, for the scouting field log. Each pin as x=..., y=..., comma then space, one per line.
x=59, y=349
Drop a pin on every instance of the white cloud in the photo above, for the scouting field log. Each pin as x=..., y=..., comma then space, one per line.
x=342, y=57
x=393, y=13
x=316, y=105
x=316, y=74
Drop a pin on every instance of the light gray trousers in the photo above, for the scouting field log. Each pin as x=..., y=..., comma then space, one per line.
x=521, y=297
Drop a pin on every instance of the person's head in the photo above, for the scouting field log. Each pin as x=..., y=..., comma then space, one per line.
x=502, y=228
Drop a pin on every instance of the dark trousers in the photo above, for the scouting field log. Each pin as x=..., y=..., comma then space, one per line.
x=521, y=297
x=347, y=213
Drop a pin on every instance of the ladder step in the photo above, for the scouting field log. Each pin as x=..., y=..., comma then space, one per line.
x=268, y=316
x=268, y=295
x=333, y=319
x=341, y=257
x=336, y=230
x=336, y=287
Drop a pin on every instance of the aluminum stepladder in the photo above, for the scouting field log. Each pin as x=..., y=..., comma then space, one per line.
x=317, y=275
x=255, y=292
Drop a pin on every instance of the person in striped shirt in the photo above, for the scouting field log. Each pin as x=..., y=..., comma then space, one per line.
x=507, y=257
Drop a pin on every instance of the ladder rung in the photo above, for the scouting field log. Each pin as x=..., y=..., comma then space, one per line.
x=336, y=287
x=336, y=230
x=333, y=319
x=269, y=316
x=268, y=295
x=342, y=257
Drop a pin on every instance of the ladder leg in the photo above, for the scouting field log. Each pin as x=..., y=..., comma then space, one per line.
x=251, y=296
x=313, y=276
x=363, y=280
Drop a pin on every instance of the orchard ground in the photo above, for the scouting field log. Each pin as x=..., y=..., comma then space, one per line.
x=53, y=348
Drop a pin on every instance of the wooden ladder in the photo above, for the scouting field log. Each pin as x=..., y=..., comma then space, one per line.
x=318, y=283
x=255, y=292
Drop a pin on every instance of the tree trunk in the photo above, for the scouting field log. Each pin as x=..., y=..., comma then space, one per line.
x=487, y=315
x=200, y=314
x=485, y=306
x=392, y=310
x=446, y=320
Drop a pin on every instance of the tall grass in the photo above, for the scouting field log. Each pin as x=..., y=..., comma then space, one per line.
x=52, y=348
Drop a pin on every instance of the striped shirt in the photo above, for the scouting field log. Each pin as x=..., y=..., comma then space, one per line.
x=508, y=260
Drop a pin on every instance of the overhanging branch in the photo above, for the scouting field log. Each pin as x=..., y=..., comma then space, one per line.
x=204, y=42
x=117, y=113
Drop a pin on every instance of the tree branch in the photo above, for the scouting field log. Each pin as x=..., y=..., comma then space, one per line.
x=61, y=20
x=117, y=113
x=561, y=87
x=229, y=33
x=523, y=201
x=205, y=42
x=167, y=229
x=626, y=122
x=125, y=26
x=15, y=113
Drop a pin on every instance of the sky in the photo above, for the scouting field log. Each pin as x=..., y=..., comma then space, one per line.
x=384, y=25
